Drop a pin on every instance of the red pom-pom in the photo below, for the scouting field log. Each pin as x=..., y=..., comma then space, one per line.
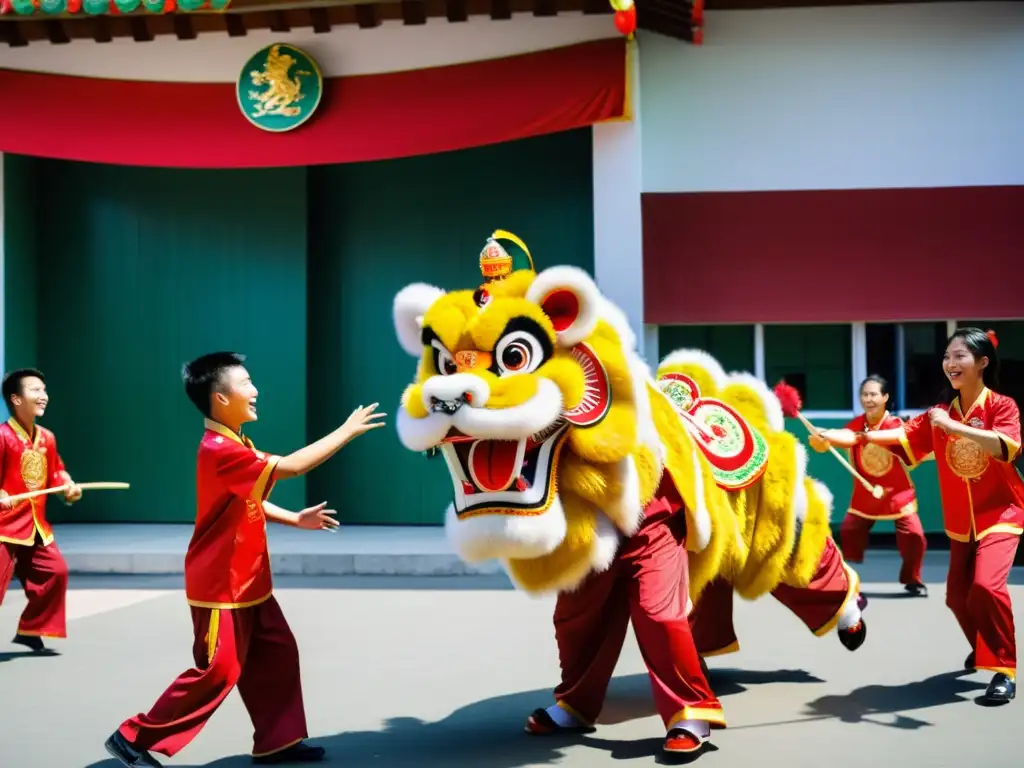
x=993, y=338
x=789, y=399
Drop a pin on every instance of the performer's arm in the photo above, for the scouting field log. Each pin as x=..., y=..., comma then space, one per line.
x=840, y=438
x=311, y=518
x=59, y=476
x=313, y=455
x=912, y=442
x=1002, y=441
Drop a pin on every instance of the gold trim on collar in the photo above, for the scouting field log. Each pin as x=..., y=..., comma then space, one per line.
x=220, y=429
x=20, y=431
x=977, y=404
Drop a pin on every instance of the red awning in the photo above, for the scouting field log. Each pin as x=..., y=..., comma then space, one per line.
x=834, y=255
x=369, y=117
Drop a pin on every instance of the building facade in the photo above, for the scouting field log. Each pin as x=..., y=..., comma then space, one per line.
x=812, y=193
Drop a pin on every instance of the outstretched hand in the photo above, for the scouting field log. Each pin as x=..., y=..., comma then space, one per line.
x=363, y=420
x=940, y=418
x=317, y=518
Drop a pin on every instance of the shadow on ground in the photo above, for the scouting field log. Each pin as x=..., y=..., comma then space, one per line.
x=490, y=732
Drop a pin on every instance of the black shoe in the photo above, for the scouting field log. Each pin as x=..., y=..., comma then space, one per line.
x=916, y=590
x=296, y=753
x=1001, y=690
x=853, y=637
x=32, y=642
x=969, y=662
x=118, y=746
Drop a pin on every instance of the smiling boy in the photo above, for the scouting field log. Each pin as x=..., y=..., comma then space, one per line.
x=241, y=635
x=29, y=461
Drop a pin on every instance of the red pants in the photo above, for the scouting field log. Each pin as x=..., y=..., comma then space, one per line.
x=44, y=577
x=818, y=605
x=910, y=541
x=646, y=583
x=252, y=648
x=977, y=595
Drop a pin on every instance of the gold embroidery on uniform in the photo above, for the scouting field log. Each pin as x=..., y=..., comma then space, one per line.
x=33, y=469
x=253, y=511
x=965, y=457
x=876, y=460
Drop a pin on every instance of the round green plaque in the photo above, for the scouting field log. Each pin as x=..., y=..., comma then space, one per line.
x=279, y=88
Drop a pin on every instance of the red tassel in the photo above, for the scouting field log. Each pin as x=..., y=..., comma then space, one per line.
x=993, y=338
x=789, y=399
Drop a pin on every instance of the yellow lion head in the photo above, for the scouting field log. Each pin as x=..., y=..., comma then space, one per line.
x=527, y=386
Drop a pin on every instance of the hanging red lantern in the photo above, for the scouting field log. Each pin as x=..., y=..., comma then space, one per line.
x=625, y=21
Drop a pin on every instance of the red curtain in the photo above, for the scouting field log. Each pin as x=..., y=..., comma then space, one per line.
x=369, y=117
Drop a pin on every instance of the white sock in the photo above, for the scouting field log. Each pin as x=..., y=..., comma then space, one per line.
x=562, y=717
x=701, y=729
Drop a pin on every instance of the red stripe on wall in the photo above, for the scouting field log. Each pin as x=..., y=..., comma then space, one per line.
x=369, y=117
x=833, y=255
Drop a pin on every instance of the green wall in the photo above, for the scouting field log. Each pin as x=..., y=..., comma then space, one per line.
x=376, y=227
x=139, y=270
x=115, y=276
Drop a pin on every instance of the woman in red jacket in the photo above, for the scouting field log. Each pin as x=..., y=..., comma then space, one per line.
x=975, y=437
x=883, y=468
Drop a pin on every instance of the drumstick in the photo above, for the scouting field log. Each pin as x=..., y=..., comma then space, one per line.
x=66, y=486
x=789, y=399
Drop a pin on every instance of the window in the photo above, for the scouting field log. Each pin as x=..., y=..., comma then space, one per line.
x=731, y=345
x=815, y=359
x=1011, y=354
x=909, y=357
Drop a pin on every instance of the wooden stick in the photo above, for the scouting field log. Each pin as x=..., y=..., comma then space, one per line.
x=59, y=488
x=876, y=490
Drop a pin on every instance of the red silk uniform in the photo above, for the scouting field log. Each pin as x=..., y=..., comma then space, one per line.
x=983, y=514
x=241, y=635
x=898, y=504
x=32, y=463
x=646, y=584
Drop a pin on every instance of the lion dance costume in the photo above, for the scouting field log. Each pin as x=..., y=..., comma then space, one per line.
x=635, y=499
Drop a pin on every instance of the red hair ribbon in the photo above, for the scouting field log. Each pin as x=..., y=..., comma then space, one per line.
x=993, y=338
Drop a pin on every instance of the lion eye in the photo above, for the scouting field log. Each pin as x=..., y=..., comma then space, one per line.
x=443, y=361
x=519, y=352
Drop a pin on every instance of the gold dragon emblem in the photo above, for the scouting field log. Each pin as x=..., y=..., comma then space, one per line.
x=284, y=89
x=33, y=469
x=966, y=458
x=876, y=460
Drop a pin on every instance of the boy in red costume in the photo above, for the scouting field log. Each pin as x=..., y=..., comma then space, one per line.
x=241, y=636
x=29, y=461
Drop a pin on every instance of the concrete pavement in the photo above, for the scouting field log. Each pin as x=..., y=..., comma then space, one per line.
x=439, y=672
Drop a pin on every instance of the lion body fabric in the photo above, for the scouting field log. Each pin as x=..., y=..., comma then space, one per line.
x=557, y=436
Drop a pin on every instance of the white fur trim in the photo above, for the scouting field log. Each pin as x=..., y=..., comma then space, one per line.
x=851, y=611
x=800, y=489
x=697, y=357
x=421, y=434
x=772, y=406
x=409, y=306
x=581, y=284
x=453, y=387
x=516, y=422
x=698, y=539
x=626, y=507
x=498, y=536
x=824, y=495
x=606, y=544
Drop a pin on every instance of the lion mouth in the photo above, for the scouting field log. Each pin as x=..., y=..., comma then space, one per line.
x=503, y=476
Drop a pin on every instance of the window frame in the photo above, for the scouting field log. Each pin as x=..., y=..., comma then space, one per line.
x=858, y=368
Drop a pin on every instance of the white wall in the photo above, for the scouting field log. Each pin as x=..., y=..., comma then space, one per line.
x=923, y=95
x=344, y=51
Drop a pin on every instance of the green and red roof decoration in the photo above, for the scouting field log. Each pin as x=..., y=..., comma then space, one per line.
x=111, y=7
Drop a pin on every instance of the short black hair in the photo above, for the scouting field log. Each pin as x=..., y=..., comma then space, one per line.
x=11, y=385
x=205, y=374
x=879, y=380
